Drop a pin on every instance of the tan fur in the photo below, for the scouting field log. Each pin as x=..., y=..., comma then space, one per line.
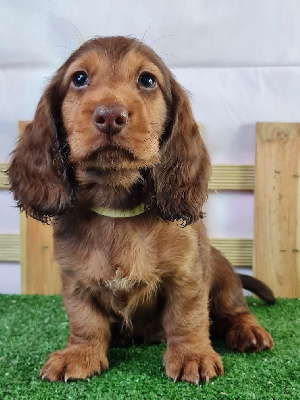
x=151, y=277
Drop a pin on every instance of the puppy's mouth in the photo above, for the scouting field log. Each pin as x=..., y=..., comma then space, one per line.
x=109, y=157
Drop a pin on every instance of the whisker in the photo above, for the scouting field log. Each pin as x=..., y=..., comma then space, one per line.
x=147, y=31
x=162, y=37
x=77, y=31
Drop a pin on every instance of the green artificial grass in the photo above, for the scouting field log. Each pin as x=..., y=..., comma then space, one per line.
x=33, y=326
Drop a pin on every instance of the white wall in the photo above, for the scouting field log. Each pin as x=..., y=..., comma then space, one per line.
x=240, y=60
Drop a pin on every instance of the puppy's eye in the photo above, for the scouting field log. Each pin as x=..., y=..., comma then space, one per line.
x=80, y=79
x=147, y=81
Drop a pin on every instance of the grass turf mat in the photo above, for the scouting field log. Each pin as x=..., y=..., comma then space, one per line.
x=33, y=326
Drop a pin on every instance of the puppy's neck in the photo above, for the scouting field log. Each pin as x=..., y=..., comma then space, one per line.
x=109, y=188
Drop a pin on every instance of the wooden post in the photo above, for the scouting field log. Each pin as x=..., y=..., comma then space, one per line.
x=277, y=207
x=39, y=271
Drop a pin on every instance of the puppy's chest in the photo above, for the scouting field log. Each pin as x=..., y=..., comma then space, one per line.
x=123, y=262
x=122, y=281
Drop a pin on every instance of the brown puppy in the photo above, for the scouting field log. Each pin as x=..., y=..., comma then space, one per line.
x=114, y=151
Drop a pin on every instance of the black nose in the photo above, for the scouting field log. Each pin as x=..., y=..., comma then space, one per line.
x=110, y=120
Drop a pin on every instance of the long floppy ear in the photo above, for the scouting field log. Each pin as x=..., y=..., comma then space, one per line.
x=38, y=171
x=181, y=177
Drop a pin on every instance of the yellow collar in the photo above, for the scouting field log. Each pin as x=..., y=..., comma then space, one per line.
x=111, y=212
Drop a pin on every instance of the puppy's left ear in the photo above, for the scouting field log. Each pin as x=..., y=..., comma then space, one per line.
x=181, y=177
x=38, y=171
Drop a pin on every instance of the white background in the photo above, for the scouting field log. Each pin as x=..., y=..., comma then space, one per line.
x=239, y=59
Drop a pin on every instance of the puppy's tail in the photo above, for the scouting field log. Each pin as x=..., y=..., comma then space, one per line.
x=257, y=287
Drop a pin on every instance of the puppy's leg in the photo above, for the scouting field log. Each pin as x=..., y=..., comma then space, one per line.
x=231, y=315
x=189, y=355
x=87, y=346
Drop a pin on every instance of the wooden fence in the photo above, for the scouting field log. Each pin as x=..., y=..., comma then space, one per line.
x=275, y=255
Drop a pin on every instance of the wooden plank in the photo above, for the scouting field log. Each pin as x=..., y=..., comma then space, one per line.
x=238, y=251
x=4, y=166
x=40, y=273
x=224, y=177
x=277, y=207
x=22, y=125
x=9, y=247
x=3, y=176
x=24, y=246
x=232, y=177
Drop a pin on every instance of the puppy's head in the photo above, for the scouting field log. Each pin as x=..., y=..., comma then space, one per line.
x=112, y=112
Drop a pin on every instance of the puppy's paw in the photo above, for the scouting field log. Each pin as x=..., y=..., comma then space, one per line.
x=75, y=362
x=249, y=338
x=193, y=368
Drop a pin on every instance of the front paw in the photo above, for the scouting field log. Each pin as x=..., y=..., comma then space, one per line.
x=75, y=362
x=249, y=338
x=191, y=366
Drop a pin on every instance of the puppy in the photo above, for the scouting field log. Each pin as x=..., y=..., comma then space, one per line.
x=115, y=159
